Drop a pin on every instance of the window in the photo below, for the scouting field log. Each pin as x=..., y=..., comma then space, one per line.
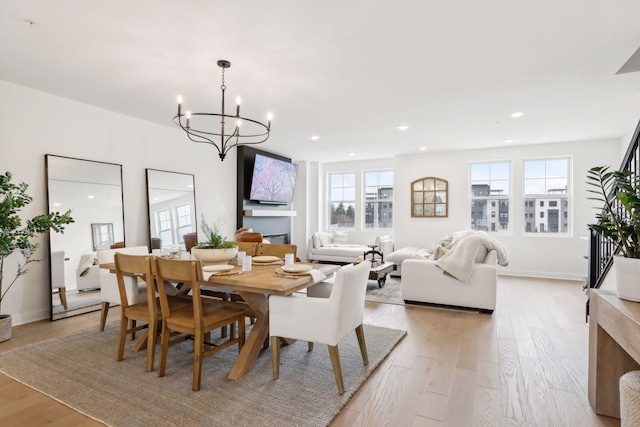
x=165, y=228
x=183, y=215
x=378, y=199
x=489, y=185
x=546, y=181
x=342, y=197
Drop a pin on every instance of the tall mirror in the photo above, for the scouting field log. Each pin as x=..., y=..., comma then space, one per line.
x=172, y=209
x=93, y=192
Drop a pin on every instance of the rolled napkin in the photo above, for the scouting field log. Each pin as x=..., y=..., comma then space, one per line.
x=317, y=275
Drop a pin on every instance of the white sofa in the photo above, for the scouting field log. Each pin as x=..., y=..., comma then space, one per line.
x=423, y=281
x=335, y=247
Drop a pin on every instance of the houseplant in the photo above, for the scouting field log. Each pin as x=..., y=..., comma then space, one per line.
x=619, y=222
x=14, y=237
x=216, y=249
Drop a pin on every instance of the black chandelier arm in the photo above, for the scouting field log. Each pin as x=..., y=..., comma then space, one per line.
x=178, y=120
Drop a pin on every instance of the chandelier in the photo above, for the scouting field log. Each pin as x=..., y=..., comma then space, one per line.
x=202, y=132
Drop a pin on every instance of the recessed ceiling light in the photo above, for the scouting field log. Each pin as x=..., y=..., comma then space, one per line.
x=314, y=138
x=92, y=196
x=423, y=148
x=508, y=141
x=190, y=185
x=403, y=127
x=352, y=154
x=56, y=204
x=517, y=114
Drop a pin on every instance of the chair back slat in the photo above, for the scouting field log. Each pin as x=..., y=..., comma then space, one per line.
x=248, y=247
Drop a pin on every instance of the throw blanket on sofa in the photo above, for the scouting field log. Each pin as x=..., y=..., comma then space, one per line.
x=462, y=255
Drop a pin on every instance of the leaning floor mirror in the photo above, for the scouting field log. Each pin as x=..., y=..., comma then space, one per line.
x=172, y=209
x=93, y=192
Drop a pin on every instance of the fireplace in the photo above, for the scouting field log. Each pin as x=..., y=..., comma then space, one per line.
x=277, y=238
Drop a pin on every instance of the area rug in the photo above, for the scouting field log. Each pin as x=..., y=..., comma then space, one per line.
x=390, y=293
x=80, y=371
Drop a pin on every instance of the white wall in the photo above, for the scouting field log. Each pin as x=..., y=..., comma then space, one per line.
x=542, y=256
x=34, y=123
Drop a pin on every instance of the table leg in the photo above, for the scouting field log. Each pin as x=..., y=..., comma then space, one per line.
x=252, y=346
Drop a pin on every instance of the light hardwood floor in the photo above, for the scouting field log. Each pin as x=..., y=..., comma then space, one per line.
x=526, y=365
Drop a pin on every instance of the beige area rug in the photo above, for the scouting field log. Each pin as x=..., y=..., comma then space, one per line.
x=80, y=371
x=390, y=293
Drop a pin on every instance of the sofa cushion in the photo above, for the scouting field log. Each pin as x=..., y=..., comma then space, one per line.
x=321, y=238
x=339, y=236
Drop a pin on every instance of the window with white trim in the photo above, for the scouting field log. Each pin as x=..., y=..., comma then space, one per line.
x=378, y=199
x=165, y=226
x=183, y=217
x=546, y=195
x=490, y=183
x=342, y=197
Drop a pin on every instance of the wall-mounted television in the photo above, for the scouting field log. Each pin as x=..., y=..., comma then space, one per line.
x=273, y=180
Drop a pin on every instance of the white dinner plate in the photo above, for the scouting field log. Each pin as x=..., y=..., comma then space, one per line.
x=218, y=268
x=297, y=268
x=266, y=258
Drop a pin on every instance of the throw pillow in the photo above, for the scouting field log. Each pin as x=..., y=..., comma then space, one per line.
x=325, y=238
x=341, y=237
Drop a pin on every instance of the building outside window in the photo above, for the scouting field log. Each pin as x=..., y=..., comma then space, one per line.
x=490, y=184
x=342, y=196
x=546, y=181
x=378, y=199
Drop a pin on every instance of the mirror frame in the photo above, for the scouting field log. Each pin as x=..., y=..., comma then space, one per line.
x=93, y=307
x=149, y=213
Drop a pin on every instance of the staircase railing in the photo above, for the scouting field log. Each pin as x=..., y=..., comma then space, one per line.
x=601, y=251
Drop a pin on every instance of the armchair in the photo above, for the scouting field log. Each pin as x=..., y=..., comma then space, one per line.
x=323, y=320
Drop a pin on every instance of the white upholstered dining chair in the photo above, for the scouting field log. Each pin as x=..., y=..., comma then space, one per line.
x=322, y=320
x=109, y=293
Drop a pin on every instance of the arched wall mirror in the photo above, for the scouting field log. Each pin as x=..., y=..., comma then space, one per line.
x=93, y=192
x=171, y=207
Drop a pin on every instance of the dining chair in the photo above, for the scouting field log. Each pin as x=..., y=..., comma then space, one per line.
x=199, y=319
x=109, y=293
x=190, y=240
x=147, y=311
x=248, y=247
x=322, y=320
x=277, y=249
x=57, y=277
x=249, y=236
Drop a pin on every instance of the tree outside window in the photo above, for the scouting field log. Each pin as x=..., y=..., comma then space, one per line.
x=342, y=197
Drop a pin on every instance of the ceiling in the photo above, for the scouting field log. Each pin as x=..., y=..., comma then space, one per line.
x=350, y=72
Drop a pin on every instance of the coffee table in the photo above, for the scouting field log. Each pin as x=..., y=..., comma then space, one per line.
x=380, y=271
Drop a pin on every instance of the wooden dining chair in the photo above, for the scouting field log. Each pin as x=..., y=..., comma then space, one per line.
x=322, y=320
x=190, y=240
x=248, y=247
x=276, y=249
x=147, y=311
x=199, y=319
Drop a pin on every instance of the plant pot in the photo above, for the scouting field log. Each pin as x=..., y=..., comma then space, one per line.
x=627, y=277
x=5, y=327
x=214, y=256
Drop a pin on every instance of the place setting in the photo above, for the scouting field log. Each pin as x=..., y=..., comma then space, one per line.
x=222, y=269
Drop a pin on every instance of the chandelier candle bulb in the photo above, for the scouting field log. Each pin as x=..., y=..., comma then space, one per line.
x=179, y=104
x=188, y=118
x=238, y=101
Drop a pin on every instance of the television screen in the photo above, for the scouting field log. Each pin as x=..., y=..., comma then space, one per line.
x=273, y=180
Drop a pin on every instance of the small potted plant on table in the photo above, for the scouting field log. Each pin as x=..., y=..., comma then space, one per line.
x=216, y=249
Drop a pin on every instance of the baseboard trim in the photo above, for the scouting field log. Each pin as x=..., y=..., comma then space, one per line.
x=543, y=275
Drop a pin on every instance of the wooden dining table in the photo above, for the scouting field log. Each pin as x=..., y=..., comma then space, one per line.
x=254, y=287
